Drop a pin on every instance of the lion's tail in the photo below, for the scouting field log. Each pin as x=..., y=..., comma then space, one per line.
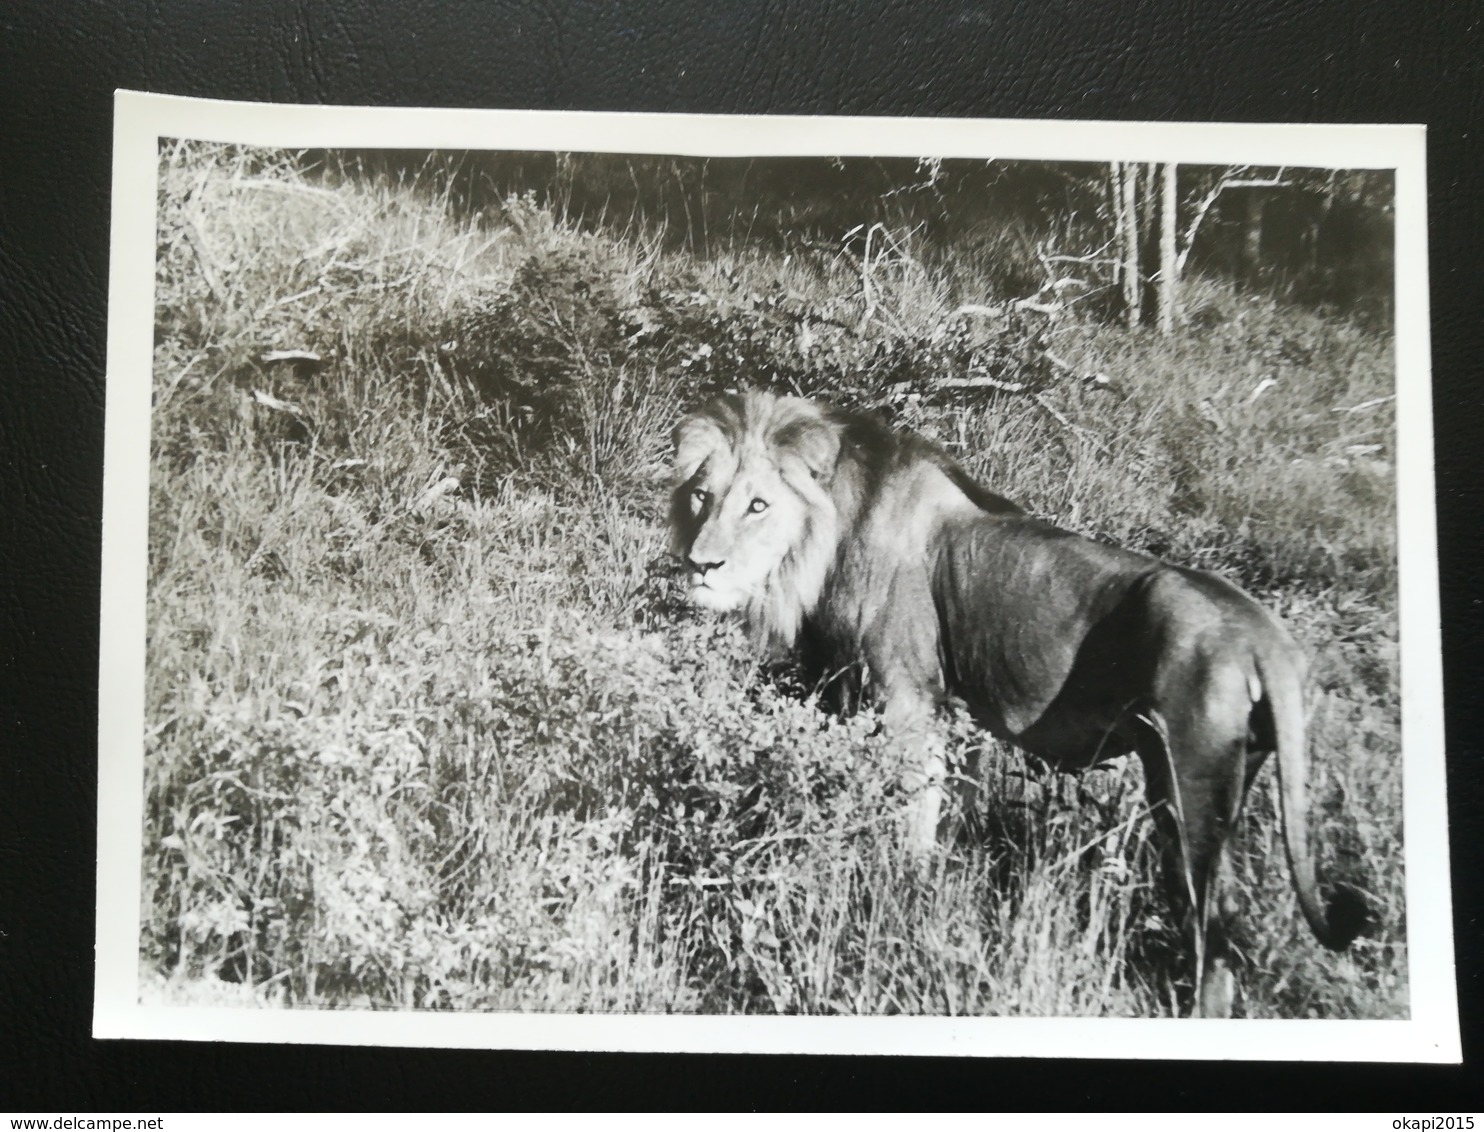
x=1339, y=920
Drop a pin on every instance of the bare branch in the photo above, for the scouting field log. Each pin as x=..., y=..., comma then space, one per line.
x=1064, y=366
x=1088, y=434
x=272, y=356
x=1039, y=308
x=1364, y=405
x=203, y=257
x=982, y=383
x=1096, y=256
x=1274, y=182
x=980, y=309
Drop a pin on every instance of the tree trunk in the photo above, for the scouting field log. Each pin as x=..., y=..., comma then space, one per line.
x=1252, y=236
x=1169, y=271
x=1115, y=210
x=1128, y=225
x=1148, y=194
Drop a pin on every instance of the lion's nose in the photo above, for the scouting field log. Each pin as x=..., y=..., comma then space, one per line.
x=701, y=568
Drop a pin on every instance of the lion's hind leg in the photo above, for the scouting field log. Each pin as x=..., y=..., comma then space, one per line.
x=1195, y=760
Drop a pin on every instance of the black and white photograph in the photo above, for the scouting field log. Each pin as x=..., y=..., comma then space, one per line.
x=601, y=581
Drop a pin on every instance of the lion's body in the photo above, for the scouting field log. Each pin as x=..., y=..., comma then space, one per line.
x=874, y=551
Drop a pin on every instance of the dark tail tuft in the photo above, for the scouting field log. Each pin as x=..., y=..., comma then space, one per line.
x=1348, y=914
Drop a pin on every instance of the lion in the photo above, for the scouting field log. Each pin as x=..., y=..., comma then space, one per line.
x=873, y=550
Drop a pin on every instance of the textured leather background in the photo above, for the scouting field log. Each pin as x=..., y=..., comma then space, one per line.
x=1269, y=60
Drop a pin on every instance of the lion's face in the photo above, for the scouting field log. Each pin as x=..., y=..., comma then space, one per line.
x=751, y=515
x=738, y=521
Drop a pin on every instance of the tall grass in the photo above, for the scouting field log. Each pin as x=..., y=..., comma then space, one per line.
x=427, y=727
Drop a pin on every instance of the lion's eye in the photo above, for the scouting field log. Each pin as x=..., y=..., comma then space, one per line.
x=757, y=506
x=700, y=495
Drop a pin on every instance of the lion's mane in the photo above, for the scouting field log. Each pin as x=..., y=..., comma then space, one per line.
x=799, y=439
x=872, y=498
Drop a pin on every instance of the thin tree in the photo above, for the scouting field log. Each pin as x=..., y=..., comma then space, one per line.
x=1169, y=265
x=1129, y=273
x=1152, y=251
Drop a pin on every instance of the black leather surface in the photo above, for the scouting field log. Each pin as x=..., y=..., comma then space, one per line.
x=1346, y=60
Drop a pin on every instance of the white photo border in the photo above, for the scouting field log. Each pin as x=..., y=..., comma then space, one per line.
x=1430, y=1034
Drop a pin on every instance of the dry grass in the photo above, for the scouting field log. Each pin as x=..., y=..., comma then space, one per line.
x=427, y=729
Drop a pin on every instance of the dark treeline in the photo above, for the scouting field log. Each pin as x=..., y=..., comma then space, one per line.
x=992, y=228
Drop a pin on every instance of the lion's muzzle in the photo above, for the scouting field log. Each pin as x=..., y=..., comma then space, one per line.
x=706, y=587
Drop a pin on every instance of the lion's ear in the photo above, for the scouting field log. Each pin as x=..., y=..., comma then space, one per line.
x=815, y=441
x=696, y=438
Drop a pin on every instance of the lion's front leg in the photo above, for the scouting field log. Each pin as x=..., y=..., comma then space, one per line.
x=911, y=722
x=924, y=781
